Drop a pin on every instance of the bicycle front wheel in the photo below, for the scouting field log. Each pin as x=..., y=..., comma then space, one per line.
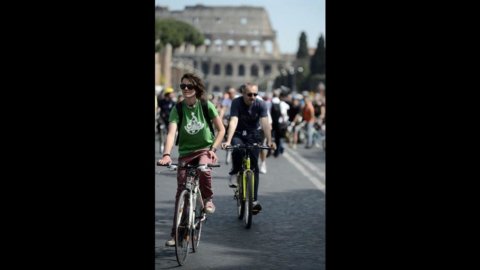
x=197, y=230
x=182, y=231
x=248, y=204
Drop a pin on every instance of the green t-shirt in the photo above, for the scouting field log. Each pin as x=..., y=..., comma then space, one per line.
x=194, y=132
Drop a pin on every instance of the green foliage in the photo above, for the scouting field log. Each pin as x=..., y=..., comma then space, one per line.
x=175, y=32
x=303, y=47
x=317, y=62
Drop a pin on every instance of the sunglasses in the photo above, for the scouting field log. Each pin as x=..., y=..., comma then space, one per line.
x=189, y=86
x=252, y=94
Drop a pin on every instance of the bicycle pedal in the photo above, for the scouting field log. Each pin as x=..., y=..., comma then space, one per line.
x=202, y=217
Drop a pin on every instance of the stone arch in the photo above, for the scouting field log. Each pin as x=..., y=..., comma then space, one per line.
x=243, y=45
x=254, y=70
x=205, y=68
x=241, y=70
x=207, y=43
x=268, y=45
x=255, y=46
x=267, y=69
x=216, y=69
x=228, y=69
x=230, y=45
x=218, y=45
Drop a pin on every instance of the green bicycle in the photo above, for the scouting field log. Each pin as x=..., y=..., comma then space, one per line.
x=244, y=193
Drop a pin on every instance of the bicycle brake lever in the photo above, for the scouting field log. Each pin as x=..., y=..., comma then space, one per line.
x=203, y=168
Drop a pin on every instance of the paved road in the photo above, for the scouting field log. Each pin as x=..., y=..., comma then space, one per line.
x=289, y=233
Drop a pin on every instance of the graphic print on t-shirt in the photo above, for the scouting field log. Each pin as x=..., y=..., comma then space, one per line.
x=193, y=126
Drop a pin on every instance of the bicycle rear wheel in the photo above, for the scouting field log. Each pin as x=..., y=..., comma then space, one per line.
x=182, y=231
x=197, y=230
x=239, y=196
x=247, y=218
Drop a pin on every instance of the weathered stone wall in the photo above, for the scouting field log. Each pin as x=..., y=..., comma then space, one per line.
x=240, y=45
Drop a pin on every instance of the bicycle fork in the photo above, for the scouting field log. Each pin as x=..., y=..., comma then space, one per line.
x=244, y=179
x=198, y=215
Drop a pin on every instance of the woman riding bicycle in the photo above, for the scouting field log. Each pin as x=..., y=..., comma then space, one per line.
x=247, y=113
x=196, y=144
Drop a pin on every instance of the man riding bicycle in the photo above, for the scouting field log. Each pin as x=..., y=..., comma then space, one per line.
x=247, y=113
x=196, y=142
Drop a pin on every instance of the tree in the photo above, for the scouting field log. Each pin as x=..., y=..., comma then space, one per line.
x=176, y=33
x=303, y=47
x=317, y=62
x=303, y=62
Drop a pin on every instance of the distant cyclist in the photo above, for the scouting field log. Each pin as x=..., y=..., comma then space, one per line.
x=166, y=104
x=247, y=113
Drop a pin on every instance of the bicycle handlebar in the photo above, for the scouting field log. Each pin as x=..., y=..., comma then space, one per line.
x=247, y=146
x=175, y=165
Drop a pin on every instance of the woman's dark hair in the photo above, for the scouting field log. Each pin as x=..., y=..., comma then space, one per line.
x=197, y=82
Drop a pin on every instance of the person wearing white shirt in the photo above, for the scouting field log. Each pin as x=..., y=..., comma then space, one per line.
x=279, y=114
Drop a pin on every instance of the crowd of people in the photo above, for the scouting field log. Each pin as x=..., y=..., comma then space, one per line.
x=301, y=121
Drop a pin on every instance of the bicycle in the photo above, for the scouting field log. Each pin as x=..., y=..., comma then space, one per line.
x=189, y=211
x=244, y=193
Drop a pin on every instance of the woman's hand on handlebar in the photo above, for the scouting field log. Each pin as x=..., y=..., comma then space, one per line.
x=165, y=160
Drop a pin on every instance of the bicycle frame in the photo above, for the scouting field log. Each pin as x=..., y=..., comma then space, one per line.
x=246, y=168
x=193, y=188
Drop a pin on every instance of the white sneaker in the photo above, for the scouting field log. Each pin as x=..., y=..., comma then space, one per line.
x=263, y=167
x=233, y=181
x=170, y=243
x=209, y=207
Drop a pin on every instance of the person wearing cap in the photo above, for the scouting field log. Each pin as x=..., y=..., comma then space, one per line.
x=166, y=104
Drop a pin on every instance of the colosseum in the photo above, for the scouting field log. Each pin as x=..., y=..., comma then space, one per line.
x=240, y=46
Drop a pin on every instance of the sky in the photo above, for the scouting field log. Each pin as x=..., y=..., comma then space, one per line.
x=288, y=18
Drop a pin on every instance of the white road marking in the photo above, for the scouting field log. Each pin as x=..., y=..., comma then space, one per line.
x=307, y=163
x=317, y=182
